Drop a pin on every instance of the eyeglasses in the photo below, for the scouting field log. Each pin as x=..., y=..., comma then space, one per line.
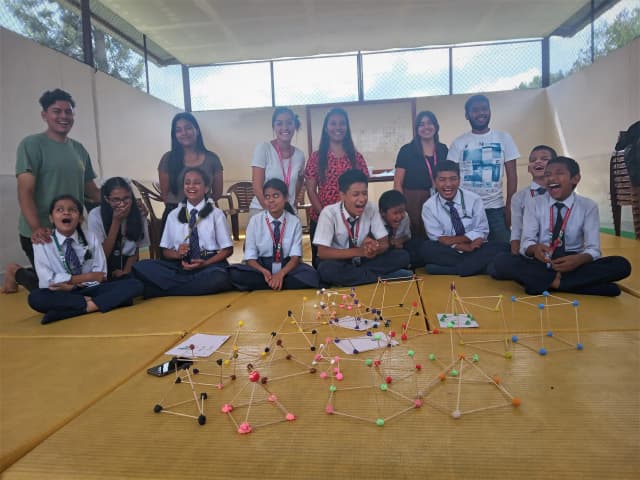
x=119, y=201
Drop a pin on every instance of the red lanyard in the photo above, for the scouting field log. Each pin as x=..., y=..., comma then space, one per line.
x=277, y=247
x=353, y=237
x=286, y=176
x=435, y=162
x=558, y=241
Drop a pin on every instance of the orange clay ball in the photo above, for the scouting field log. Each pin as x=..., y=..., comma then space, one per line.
x=442, y=377
x=515, y=401
x=496, y=379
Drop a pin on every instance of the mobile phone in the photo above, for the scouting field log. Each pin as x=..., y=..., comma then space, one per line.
x=169, y=367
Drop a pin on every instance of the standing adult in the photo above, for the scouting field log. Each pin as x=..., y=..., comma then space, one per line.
x=335, y=155
x=187, y=151
x=278, y=159
x=482, y=153
x=415, y=167
x=48, y=164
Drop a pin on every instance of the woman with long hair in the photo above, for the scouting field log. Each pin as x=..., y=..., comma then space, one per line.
x=335, y=155
x=415, y=165
x=278, y=159
x=187, y=150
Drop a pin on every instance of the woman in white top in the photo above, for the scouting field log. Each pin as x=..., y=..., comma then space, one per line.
x=120, y=226
x=273, y=247
x=277, y=159
x=195, y=243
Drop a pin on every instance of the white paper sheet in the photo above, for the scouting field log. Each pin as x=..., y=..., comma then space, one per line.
x=204, y=345
x=357, y=323
x=459, y=320
x=364, y=343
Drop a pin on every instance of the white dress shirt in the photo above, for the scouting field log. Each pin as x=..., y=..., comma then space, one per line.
x=519, y=201
x=437, y=219
x=259, y=242
x=213, y=231
x=332, y=231
x=582, y=231
x=128, y=246
x=49, y=260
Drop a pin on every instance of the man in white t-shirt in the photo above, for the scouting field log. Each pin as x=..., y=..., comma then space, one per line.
x=481, y=154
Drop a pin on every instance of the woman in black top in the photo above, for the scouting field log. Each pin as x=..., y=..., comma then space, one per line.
x=415, y=165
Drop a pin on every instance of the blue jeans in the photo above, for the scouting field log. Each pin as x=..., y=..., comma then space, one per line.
x=498, y=231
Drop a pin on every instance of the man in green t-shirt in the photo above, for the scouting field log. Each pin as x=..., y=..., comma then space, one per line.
x=48, y=164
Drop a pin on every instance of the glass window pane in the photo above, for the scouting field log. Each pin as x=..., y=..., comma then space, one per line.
x=617, y=27
x=165, y=83
x=490, y=68
x=46, y=22
x=230, y=86
x=405, y=74
x=316, y=80
x=114, y=57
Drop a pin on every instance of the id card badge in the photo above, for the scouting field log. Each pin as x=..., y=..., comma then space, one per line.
x=276, y=267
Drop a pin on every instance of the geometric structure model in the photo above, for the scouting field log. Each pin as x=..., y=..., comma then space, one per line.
x=459, y=317
x=177, y=407
x=374, y=390
x=462, y=388
x=257, y=397
x=550, y=309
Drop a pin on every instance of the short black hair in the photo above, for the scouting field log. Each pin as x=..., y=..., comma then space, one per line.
x=446, y=166
x=350, y=177
x=570, y=163
x=50, y=97
x=390, y=199
x=475, y=99
x=549, y=149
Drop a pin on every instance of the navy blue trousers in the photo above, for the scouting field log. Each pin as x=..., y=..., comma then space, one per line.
x=164, y=278
x=593, y=278
x=246, y=278
x=466, y=263
x=344, y=272
x=58, y=305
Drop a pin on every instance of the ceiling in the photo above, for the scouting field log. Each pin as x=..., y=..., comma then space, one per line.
x=198, y=32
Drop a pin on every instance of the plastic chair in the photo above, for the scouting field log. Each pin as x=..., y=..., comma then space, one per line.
x=155, y=223
x=243, y=193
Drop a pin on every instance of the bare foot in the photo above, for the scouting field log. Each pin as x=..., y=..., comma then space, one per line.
x=10, y=285
x=556, y=281
x=91, y=307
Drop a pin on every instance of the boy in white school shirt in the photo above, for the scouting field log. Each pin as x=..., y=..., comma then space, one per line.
x=457, y=227
x=353, y=243
x=538, y=159
x=560, y=247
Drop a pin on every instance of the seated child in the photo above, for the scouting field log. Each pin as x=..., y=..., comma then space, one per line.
x=195, y=243
x=120, y=226
x=538, y=159
x=353, y=244
x=560, y=247
x=392, y=205
x=72, y=268
x=273, y=247
x=457, y=227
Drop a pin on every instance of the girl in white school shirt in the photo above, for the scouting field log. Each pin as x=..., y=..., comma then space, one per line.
x=273, y=247
x=195, y=244
x=72, y=268
x=120, y=226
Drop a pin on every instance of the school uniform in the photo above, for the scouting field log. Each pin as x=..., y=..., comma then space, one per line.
x=576, y=231
x=337, y=229
x=411, y=245
x=468, y=212
x=54, y=264
x=519, y=201
x=123, y=247
x=272, y=242
x=167, y=277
